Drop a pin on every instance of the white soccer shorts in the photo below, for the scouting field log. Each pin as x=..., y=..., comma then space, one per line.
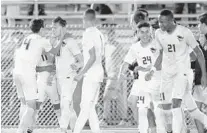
x=66, y=85
x=26, y=85
x=90, y=91
x=175, y=86
x=46, y=90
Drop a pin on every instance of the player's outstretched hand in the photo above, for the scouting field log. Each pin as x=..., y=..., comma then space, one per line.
x=74, y=67
x=148, y=76
x=204, y=81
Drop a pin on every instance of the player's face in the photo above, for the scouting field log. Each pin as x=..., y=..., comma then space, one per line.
x=164, y=22
x=202, y=27
x=144, y=34
x=56, y=29
x=85, y=21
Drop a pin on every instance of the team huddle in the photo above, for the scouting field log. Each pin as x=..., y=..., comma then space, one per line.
x=53, y=66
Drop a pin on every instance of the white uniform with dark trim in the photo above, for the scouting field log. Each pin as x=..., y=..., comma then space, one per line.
x=26, y=59
x=145, y=57
x=43, y=88
x=92, y=37
x=64, y=73
x=177, y=75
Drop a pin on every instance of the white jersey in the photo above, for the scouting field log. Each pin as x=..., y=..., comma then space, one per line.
x=46, y=59
x=66, y=57
x=92, y=37
x=28, y=55
x=145, y=56
x=175, y=49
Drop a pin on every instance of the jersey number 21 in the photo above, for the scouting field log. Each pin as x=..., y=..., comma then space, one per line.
x=171, y=48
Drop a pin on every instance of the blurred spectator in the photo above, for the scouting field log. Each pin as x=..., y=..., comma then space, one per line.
x=12, y=11
x=179, y=7
x=41, y=9
x=102, y=9
x=3, y=13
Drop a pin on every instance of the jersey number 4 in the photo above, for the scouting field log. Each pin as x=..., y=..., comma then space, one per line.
x=171, y=48
x=147, y=59
x=27, y=43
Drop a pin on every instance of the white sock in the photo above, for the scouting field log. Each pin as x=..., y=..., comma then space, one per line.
x=73, y=118
x=143, y=121
x=197, y=114
x=94, y=121
x=178, y=120
x=27, y=119
x=82, y=118
x=168, y=120
x=65, y=114
x=22, y=110
x=159, y=114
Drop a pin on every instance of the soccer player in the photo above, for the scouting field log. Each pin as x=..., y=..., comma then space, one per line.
x=93, y=73
x=68, y=62
x=144, y=53
x=198, y=93
x=44, y=69
x=140, y=15
x=174, y=42
x=27, y=57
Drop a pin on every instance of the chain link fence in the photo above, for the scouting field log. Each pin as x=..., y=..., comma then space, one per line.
x=119, y=41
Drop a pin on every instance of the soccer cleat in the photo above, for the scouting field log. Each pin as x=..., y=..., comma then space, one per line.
x=29, y=131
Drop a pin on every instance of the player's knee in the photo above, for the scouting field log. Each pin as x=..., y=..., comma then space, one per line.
x=176, y=103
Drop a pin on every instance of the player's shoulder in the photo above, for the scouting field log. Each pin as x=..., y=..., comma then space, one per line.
x=183, y=29
x=158, y=31
x=135, y=46
x=70, y=40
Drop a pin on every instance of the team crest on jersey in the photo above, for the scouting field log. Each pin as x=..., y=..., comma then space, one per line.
x=153, y=50
x=180, y=38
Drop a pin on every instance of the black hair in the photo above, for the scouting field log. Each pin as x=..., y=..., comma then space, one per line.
x=203, y=18
x=36, y=25
x=61, y=21
x=143, y=24
x=91, y=12
x=138, y=16
x=145, y=11
x=167, y=13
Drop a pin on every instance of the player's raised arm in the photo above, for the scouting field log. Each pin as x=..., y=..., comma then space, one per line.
x=191, y=41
